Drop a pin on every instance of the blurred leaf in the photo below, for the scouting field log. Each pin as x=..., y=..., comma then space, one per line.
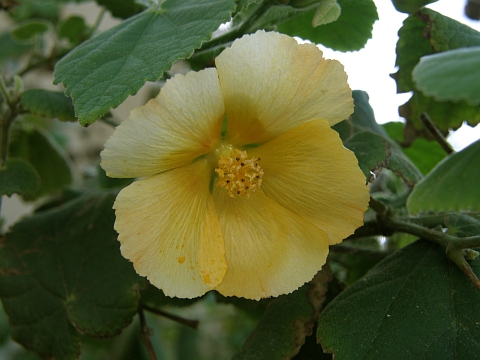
x=415, y=304
x=451, y=186
x=37, y=147
x=371, y=150
x=101, y=72
x=410, y=6
x=283, y=327
x=423, y=153
x=61, y=274
x=50, y=104
x=121, y=9
x=30, y=29
x=463, y=225
x=105, y=182
x=452, y=75
x=74, y=29
x=19, y=177
x=349, y=32
x=11, y=48
x=155, y=298
x=328, y=11
x=30, y=9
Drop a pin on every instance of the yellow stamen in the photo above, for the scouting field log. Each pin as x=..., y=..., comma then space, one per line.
x=238, y=175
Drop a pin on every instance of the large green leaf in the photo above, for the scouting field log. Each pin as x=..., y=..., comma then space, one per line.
x=415, y=304
x=18, y=176
x=451, y=186
x=51, y=104
x=422, y=34
x=102, y=72
x=452, y=75
x=288, y=319
x=349, y=32
x=62, y=275
x=39, y=148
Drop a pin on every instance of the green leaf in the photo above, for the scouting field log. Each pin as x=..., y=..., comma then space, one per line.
x=463, y=225
x=11, y=48
x=453, y=75
x=103, y=71
x=62, y=275
x=121, y=9
x=74, y=29
x=363, y=119
x=19, y=177
x=451, y=186
x=34, y=9
x=371, y=150
x=415, y=304
x=423, y=34
x=349, y=32
x=51, y=104
x=445, y=114
x=328, y=11
x=411, y=46
x=37, y=147
x=425, y=154
x=288, y=319
x=410, y=6
x=30, y=29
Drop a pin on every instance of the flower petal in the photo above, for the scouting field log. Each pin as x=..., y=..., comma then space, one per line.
x=269, y=250
x=169, y=229
x=271, y=84
x=183, y=122
x=309, y=171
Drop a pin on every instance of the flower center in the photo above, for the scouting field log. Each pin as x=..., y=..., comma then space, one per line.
x=239, y=175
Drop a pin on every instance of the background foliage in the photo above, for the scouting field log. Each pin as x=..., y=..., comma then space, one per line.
x=404, y=286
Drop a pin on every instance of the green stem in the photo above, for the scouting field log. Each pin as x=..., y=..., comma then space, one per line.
x=98, y=20
x=437, y=135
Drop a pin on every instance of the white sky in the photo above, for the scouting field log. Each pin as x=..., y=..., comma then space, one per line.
x=369, y=68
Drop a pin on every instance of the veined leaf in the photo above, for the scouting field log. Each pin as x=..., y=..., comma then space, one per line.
x=415, y=304
x=103, y=71
x=19, y=177
x=61, y=274
x=452, y=75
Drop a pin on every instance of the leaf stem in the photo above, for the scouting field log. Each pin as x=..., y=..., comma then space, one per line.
x=95, y=26
x=437, y=135
x=190, y=323
x=145, y=333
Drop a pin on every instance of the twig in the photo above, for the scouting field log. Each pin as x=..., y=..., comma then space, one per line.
x=437, y=135
x=190, y=323
x=145, y=333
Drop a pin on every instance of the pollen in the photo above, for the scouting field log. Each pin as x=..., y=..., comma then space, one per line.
x=239, y=175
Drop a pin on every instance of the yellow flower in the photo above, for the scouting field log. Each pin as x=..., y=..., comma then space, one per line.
x=244, y=184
